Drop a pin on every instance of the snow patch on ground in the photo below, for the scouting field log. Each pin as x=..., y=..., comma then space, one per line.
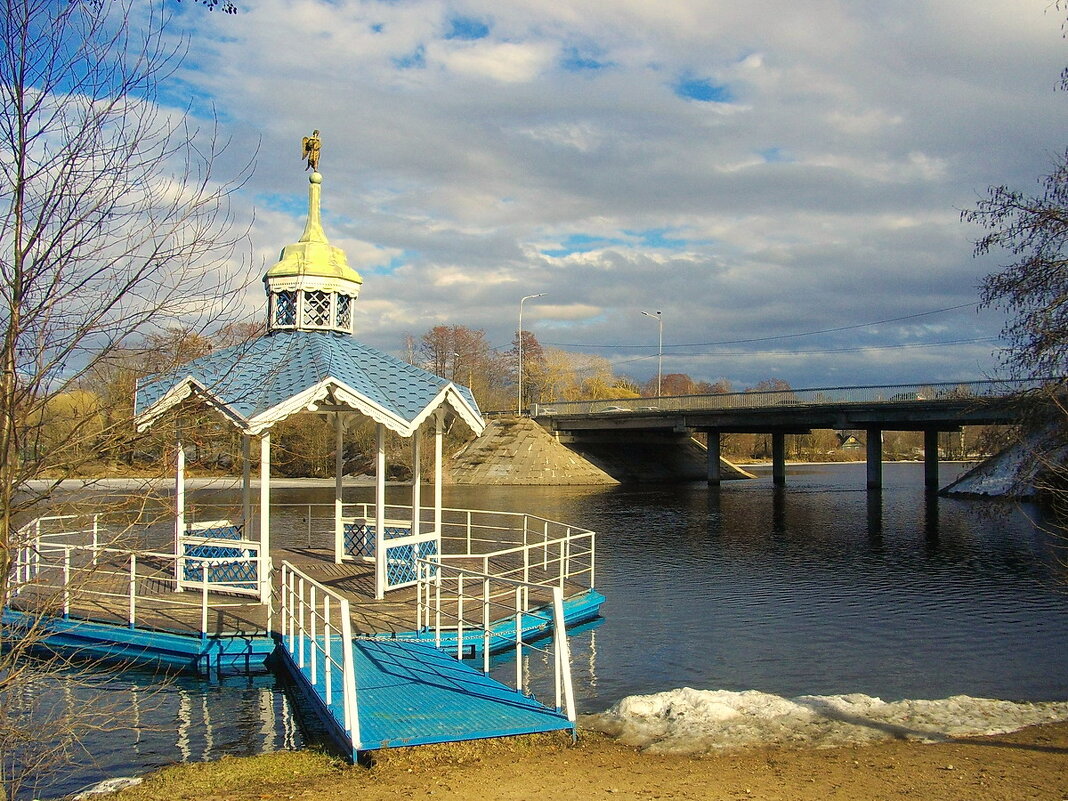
x=688, y=721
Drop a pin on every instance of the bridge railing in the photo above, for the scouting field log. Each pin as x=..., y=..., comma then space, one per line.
x=888, y=393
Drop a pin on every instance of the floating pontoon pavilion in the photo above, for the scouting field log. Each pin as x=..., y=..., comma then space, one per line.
x=377, y=610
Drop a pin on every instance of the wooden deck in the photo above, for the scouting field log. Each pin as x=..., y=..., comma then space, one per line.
x=101, y=593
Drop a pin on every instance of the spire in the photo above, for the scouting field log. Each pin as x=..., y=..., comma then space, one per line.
x=312, y=286
x=313, y=228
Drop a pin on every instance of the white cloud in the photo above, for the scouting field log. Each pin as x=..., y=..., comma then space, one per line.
x=827, y=192
x=505, y=62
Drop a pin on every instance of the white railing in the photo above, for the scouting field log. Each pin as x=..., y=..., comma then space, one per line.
x=316, y=628
x=55, y=572
x=465, y=604
x=513, y=545
x=316, y=520
x=510, y=544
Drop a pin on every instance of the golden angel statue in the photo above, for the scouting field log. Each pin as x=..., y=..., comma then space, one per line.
x=310, y=150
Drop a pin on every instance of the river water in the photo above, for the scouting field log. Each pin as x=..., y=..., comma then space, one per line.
x=816, y=588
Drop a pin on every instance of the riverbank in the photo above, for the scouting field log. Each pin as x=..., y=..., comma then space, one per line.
x=1028, y=764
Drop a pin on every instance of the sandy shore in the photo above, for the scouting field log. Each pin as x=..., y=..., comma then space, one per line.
x=1029, y=764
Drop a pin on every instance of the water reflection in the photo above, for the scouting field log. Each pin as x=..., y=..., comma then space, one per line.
x=135, y=720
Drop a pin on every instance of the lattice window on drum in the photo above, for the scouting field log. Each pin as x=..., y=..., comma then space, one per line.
x=285, y=308
x=344, y=312
x=316, y=309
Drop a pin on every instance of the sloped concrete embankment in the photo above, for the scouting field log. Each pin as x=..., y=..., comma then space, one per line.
x=515, y=450
x=518, y=451
x=1037, y=461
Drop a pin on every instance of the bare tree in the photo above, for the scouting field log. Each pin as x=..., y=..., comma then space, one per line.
x=113, y=226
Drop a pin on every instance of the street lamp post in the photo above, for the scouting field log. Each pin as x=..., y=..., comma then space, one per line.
x=660, y=350
x=521, y=302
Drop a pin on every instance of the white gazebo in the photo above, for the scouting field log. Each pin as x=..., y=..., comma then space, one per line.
x=309, y=362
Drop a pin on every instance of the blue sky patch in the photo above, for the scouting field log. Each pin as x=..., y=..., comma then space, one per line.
x=394, y=263
x=702, y=89
x=180, y=94
x=581, y=243
x=574, y=59
x=775, y=155
x=292, y=204
x=416, y=60
x=467, y=28
x=658, y=238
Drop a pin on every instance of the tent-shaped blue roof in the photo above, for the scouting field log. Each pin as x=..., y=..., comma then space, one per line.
x=261, y=382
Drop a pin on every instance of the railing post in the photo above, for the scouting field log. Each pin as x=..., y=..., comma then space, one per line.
x=300, y=618
x=203, y=599
x=284, y=601
x=469, y=532
x=314, y=626
x=563, y=653
x=348, y=673
x=133, y=590
x=486, y=623
x=518, y=640
x=437, y=610
x=460, y=618
x=66, y=582
x=328, y=667
x=96, y=534
x=593, y=559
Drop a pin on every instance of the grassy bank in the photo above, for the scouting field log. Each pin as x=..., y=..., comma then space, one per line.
x=1029, y=764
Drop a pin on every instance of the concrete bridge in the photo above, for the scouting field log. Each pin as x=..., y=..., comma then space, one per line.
x=929, y=407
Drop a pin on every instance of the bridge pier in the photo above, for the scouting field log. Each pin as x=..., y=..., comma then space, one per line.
x=930, y=458
x=715, y=473
x=778, y=458
x=875, y=458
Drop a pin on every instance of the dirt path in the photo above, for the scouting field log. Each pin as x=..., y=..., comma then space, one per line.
x=1030, y=764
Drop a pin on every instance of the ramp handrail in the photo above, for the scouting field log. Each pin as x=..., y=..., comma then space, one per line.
x=313, y=618
x=484, y=593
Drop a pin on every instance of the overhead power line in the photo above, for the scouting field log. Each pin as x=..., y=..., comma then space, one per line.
x=775, y=337
x=817, y=352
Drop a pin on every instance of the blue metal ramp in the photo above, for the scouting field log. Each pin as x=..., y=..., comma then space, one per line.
x=410, y=693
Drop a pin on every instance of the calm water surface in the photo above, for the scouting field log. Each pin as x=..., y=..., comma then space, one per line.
x=818, y=588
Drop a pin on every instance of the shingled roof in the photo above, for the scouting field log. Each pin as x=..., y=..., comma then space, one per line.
x=262, y=382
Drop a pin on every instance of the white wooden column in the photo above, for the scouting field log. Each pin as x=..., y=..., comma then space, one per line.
x=265, y=512
x=439, y=433
x=246, y=486
x=339, y=467
x=179, y=501
x=417, y=478
x=380, y=511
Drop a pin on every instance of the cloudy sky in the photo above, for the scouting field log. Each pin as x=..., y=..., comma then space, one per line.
x=762, y=173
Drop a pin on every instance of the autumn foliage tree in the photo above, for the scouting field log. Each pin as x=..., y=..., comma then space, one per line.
x=112, y=225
